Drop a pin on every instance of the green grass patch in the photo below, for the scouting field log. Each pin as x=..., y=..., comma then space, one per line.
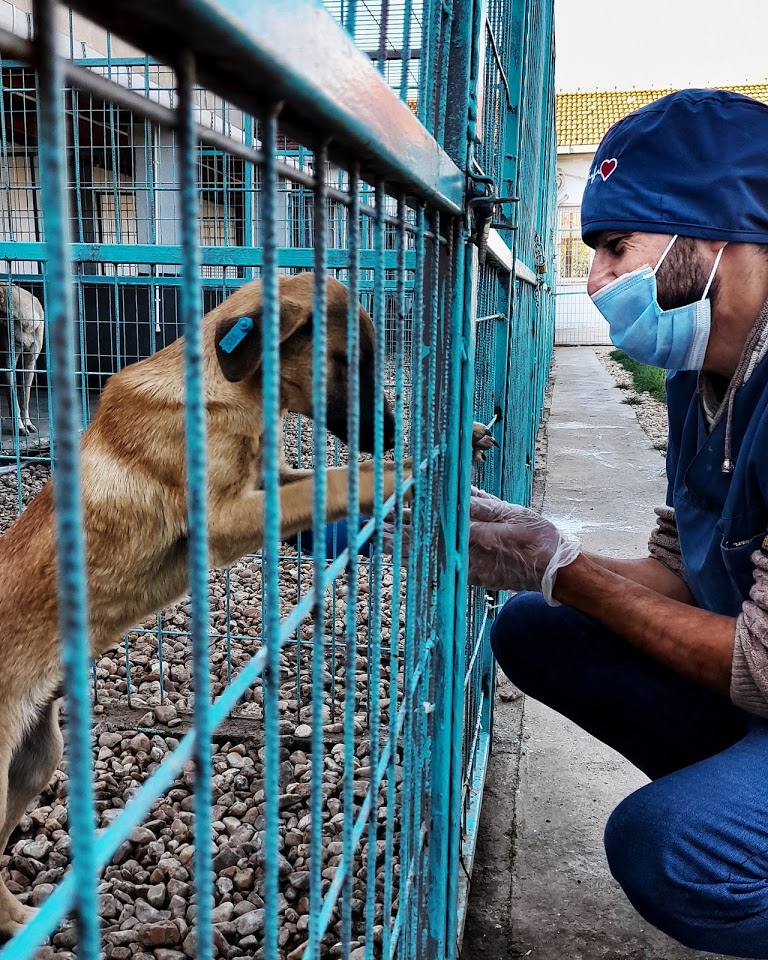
x=646, y=379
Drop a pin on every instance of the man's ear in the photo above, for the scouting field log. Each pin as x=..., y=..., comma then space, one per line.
x=239, y=339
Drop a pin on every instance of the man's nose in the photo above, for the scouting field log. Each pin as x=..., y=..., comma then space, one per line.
x=600, y=273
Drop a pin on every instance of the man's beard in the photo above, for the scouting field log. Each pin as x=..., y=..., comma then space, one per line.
x=682, y=277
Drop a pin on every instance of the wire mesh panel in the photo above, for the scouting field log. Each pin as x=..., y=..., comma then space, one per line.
x=255, y=297
x=577, y=321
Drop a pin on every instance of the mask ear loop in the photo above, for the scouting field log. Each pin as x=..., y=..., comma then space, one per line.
x=714, y=271
x=663, y=256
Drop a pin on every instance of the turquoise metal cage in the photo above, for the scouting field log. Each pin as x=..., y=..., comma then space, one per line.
x=292, y=757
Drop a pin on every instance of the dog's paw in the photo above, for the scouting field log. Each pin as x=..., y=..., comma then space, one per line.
x=30, y=427
x=482, y=440
x=13, y=919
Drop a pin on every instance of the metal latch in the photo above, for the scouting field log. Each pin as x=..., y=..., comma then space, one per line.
x=481, y=207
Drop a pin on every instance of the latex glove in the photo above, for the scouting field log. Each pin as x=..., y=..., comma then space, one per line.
x=510, y=547
x=514, y=548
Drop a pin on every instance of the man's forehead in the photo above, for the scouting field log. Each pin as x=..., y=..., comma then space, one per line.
x=638, y=238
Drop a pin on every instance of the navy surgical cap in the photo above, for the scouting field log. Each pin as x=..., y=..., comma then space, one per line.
x=694, y=163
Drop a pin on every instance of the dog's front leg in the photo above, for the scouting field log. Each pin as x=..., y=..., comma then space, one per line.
x=292, y=475
x=237, y=526
x=296, y=498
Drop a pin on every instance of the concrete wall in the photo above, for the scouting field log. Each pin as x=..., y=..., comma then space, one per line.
x=577, y=322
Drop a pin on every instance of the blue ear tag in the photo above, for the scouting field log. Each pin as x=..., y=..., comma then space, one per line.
x=236, y=335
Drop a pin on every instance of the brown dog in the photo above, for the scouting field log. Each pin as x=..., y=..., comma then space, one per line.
x=135, y=511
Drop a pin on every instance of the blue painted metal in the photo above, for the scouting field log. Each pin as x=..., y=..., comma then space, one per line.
x=353, y=492
x=295, y=52
x=319, y=496
x=162, y=255
x=196, y=488
x=374, y=642
x=438, y=318
x=72, y=594
x=394, y=644
x=271, y=595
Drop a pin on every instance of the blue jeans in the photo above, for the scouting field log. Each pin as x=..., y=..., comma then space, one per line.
x=689, y=849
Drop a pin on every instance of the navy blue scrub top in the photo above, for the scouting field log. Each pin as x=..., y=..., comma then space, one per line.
x=722, y=518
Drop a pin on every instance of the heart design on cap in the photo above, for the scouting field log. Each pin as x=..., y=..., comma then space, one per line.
x=607, y=167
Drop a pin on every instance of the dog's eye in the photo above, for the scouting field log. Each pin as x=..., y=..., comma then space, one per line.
x=340, y=358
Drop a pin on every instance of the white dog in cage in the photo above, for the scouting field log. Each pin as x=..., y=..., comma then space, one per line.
x=22, y=327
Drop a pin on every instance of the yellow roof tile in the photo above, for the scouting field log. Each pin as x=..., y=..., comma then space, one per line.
x=583, y=118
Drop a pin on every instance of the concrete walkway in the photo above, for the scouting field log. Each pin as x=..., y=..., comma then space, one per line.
x=541, y=886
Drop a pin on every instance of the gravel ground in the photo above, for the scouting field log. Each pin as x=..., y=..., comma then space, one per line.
x=147, y=902
x=651, y=415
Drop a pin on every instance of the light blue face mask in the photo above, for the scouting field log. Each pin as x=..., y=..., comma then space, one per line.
x=671, y=339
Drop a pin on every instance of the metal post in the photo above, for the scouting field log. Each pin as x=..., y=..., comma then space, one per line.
x=70, y=545
x=195, y=422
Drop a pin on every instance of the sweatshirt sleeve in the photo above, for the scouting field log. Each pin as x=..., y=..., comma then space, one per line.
x=749, y=676
x=664, y=543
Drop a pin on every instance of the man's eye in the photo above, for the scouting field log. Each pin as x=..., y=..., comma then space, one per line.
x=614, y=246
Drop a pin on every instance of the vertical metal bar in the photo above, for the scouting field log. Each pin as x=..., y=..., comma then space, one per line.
x=394, y=640
x=426, y=64
x=374, y=649
x=127, y=656
x=228, y=624
x=70, y=546
x=353, y=521
x=271, y=548
x=383, y=32
x=319, y=491
x=440, y=839
x=350, y=20
x=406, y=49
x=432, y=899
x=195, y=423
x=463, y=307
x=409, y=824
x=75, y=106
x=160, y=660
x=446, y=25
x=151, y=161
x=248, y=197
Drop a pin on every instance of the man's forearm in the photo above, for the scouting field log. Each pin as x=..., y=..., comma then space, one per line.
x=650, y=573
x=694, y=642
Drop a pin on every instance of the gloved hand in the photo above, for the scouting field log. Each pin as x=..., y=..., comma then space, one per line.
x=514, y=548
x=510, y=547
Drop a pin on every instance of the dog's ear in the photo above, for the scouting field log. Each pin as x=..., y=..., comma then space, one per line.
x=239, y=339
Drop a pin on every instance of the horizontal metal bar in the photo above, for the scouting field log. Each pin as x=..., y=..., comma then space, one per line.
x=163, y=255
x=294, y=52
x=524, y=273
x=469, y=843
x=500, y=252
x=79, y=76
x=413, y=54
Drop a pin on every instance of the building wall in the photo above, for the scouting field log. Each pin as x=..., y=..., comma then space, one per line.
x=577, y=321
